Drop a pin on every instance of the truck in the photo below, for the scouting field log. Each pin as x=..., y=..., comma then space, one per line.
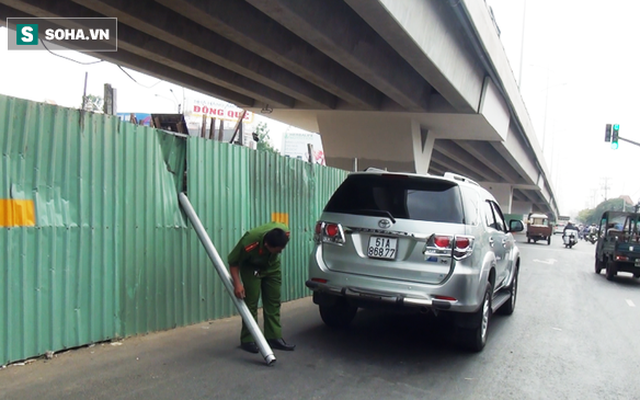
x=539, y=228
x=618, y=244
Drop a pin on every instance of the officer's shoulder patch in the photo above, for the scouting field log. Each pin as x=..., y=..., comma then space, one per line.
x=251, y=246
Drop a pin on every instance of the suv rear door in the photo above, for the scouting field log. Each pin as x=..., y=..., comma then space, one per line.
x=386, y=220
x=498, y=239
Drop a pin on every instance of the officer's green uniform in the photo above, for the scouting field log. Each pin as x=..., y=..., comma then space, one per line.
x=260, y=271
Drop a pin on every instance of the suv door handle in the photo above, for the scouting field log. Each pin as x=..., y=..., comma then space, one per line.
x=505, y=243
x=491, y=241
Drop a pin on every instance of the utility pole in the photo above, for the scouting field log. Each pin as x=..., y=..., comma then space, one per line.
x=524, y=19
x=605, y=187
x=593, y=198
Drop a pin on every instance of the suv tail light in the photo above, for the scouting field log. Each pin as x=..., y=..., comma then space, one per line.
x=329, y=232
x=456, y=246
x=463, y=247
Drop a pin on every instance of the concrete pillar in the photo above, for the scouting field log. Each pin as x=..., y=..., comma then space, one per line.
x=521, y=207
x=381, y=140
x=503, y=192
x=423, y=142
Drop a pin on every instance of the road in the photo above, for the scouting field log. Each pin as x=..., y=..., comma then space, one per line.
x=573, y=335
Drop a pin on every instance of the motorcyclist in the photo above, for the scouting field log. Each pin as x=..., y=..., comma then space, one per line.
x=569, y=225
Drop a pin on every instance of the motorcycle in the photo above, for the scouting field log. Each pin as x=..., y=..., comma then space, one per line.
x=592, y=238
x=570, y=238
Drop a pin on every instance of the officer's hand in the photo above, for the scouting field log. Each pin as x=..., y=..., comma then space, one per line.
x=238, y=290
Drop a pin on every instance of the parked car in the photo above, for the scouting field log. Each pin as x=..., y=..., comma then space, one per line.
x=430, y=243
x=559, y=228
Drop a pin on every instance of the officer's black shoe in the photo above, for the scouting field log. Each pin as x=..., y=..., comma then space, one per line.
x=251, y=347
x=280, y=344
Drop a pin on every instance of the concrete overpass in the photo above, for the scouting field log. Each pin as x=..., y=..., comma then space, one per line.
x=412, y=85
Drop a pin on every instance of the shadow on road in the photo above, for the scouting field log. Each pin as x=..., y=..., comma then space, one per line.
x=386, y=337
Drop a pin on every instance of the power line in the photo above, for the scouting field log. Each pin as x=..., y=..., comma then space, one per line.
x=70, y=59
x=126, y=73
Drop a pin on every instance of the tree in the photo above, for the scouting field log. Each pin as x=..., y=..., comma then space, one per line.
x=592, y=216
x=262, y=133
x=93, y=103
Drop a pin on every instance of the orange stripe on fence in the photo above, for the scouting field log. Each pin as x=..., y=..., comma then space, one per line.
x=283, y=218
x=17, y=213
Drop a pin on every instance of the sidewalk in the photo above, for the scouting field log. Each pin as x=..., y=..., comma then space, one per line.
x=195, y=362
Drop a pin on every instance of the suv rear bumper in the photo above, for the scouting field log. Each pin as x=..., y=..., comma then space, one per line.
x=377, y=296
x=464, y=285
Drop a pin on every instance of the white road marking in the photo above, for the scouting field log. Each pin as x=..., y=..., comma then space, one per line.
x=550, y=261
x=630, y=303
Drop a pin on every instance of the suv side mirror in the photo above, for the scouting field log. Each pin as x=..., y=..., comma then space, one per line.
x=516, y=225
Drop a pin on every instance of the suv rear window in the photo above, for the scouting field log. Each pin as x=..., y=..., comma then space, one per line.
x=401, y=196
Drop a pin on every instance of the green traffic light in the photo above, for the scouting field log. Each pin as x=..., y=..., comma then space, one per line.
x=616, y=127
x=614, y=145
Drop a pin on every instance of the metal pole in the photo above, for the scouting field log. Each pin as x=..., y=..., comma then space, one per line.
x=524, y=19
x=264, y=347
x=84, y=93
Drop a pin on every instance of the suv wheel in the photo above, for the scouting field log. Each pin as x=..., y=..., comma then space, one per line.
x=611, y=271
x=476, y=338
x=338, y=315
x=508, y=307
x=599, y=266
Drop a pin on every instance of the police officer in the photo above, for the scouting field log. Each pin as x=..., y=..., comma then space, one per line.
x=254, y=264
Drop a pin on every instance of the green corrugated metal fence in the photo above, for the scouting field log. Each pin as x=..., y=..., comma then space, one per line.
x=111, y=253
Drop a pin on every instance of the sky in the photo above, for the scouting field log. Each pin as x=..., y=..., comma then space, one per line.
x=42, y=76
x=578, y=73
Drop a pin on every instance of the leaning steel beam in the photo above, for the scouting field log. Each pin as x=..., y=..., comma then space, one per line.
x=264, y=347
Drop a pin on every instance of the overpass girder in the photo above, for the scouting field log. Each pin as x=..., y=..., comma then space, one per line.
x=453, y=151
x=261, y=35
x=339, y=32
x=159, y=22
x=487, y=155
x=420, y=31
x=131, y=60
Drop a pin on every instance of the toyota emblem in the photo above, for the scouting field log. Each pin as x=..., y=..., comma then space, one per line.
x=384, y=223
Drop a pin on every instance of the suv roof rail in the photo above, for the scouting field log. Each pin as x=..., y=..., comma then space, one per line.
x=374, y=169
x=457, y=177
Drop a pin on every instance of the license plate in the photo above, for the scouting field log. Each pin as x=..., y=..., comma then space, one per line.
x=382, y=247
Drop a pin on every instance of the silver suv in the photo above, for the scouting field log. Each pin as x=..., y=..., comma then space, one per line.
x=430, y=243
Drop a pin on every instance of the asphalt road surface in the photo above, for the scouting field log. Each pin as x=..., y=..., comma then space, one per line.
x=573, y=335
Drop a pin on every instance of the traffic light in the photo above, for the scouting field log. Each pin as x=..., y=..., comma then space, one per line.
x=607, y=133
x=614, y=136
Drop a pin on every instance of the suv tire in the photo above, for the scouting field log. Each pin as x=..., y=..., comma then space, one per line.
x=611, y=270
x=508, y=307
x=475, y=338
x=339, y=314
x=599, y=266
